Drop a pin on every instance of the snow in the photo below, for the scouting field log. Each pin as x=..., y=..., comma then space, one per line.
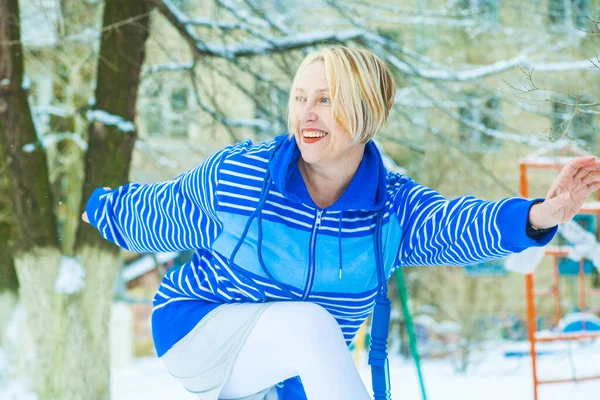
x=4, y=364
x=526, y=261
x=26, y=84
x=169, y=67
x=29, y=148
x=39, y=22
x=584, y=243
x=70, y=276
x=50, y=139
x=243, y=15
x=480, y=72
x=493, y=377
x=52, y=110
x=110, y=120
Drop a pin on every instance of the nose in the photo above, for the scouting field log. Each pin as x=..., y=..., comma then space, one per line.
x=307, y=114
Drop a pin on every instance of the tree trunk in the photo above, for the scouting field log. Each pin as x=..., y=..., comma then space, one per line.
x=36, y=254
x=9, y=284
x=107, y=161
x=8, y=276
x=69, y=333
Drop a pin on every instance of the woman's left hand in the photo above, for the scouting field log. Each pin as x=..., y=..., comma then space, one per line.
x=567, y=194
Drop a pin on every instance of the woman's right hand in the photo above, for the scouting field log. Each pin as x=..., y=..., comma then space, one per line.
x=84, y=216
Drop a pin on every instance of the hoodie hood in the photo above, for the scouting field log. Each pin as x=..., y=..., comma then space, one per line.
x=367, y=190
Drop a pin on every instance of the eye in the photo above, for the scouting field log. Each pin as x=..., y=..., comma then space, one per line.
x=325, y=100
x=300, y=98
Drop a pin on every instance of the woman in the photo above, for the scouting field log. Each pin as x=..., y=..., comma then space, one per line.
x=296, y=237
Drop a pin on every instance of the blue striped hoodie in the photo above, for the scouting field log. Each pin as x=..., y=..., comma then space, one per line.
x=259, y=237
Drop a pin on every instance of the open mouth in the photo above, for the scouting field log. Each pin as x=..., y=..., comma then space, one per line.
x=313, y=135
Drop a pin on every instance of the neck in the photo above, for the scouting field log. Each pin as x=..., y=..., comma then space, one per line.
x=326, y=184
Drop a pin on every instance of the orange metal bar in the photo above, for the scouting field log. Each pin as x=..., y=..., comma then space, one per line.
x=545, y=166
x=582, y=292
x=558, y=338
x=531, y=293
x=585, y=378
x=523, y=180
x=590, y=209
x=556, y=277
x=556, y=251
x=531, y=328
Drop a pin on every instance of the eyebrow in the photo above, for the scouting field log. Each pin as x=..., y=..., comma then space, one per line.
x=318, y=90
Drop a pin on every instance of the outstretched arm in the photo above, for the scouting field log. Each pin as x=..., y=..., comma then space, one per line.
x=168, y=216
x=463, y=231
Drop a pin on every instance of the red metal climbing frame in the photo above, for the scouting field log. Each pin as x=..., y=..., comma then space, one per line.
x=555, y=253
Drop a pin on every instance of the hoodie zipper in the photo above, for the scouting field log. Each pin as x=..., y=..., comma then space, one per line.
x=312, y=250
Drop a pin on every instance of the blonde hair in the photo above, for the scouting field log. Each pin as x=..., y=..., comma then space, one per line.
x=361, y=86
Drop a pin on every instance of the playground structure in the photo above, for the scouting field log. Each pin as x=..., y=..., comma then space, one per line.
x=538, y=161
x=559, y=254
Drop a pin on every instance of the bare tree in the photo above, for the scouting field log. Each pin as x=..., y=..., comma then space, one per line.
x=66, y=300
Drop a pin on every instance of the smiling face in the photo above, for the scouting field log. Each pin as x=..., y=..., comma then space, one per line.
x=320, y=139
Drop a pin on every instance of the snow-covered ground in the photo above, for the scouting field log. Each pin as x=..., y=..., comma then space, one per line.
x=493, y=377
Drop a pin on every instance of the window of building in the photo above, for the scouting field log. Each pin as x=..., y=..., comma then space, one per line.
x=481, y=10
x=484, y=111
x=567, y=12
x=166, y=111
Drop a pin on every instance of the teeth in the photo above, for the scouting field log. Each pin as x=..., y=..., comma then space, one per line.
x=314, y=134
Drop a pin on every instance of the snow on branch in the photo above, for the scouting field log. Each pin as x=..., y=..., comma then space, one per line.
x=264, y=46
x=520, y=60
x=168, y=67
x=50, y=139
x=242, y=15
x=408, y=11
x=110, y=120
x=273, y=22
x=52, y=110
x=528, y=139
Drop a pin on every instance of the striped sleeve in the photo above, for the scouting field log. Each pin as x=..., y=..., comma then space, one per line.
x=161, y=217
x=462, y=231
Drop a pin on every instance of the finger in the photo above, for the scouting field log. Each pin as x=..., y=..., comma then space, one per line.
x=107, y=188
x=580, y=174
x=591, y=177
x=592, y=167
x=573, y=167
x=592, y=187
x=84, y=217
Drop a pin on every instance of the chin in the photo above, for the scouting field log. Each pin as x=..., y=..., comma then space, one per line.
x=312, y=155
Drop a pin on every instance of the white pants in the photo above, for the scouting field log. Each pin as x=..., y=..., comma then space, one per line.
x=296, y=339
